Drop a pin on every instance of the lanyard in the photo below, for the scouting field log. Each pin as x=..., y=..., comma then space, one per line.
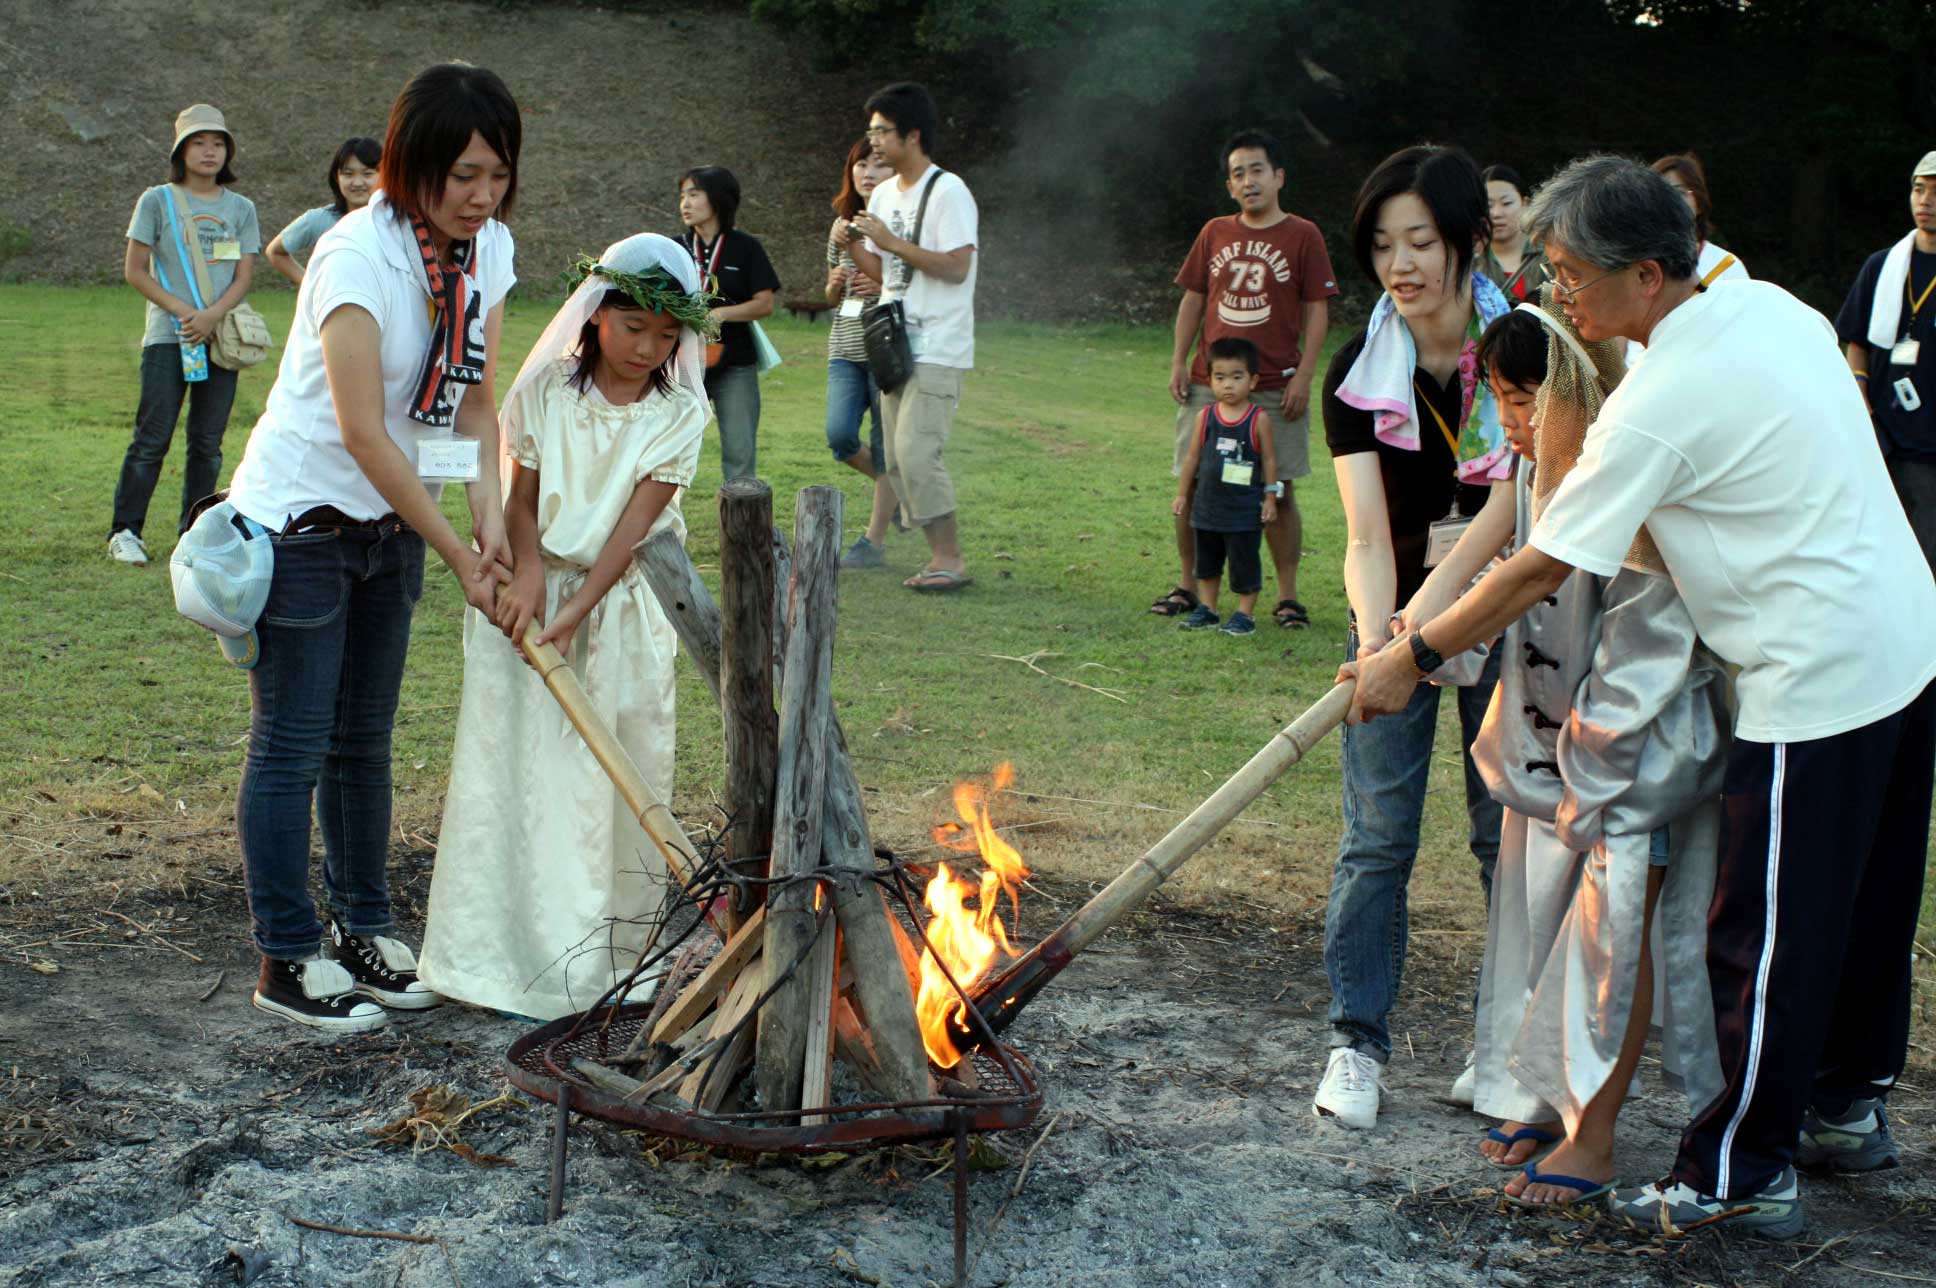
x=711, y=280
x=1451, y=440
x=1727, y=262
x=1916, y=302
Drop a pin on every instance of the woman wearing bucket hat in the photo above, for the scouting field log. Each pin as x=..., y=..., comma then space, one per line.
x=373, y=407
x=161, y=264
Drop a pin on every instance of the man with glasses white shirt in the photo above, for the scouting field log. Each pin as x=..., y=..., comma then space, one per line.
x=1743, y=447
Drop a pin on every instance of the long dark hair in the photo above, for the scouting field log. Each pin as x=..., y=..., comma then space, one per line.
x=1686, y=167
x=431, y=124
x=368, y=151
x=848, y=202
x=660, y=381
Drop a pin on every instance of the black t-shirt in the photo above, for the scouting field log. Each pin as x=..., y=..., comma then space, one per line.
x=1419, y=486
x=741, y=272
x=1908, y=434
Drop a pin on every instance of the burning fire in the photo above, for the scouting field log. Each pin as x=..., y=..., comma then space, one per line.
x=970, y=941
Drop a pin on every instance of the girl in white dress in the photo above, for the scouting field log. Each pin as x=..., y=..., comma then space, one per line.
x=545, y=885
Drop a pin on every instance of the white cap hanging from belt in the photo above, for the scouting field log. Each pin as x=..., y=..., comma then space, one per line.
x=221, y=569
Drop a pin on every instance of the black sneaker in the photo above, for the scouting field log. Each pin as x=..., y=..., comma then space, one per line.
x=382, y=968
x=318, y=993
x=1856, y=1141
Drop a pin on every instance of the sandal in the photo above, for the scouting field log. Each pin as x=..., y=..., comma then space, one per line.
x=1176, y=603
x=1589, y=1190
x=1291, y=615
x=937, y=581
x=1538, y=1135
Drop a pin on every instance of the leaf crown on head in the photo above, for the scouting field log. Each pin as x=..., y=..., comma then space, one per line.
x=653, y=290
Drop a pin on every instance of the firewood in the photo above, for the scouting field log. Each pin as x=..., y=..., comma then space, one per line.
x=715, y=978
x=712, y=1077
x=746, y=678
x=881, y=977
x=854, y=1044
x=806, y=711
x=608, y=1079
x=817, y=1072
x=669, y=571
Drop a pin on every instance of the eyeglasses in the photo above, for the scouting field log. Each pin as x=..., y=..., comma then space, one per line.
x=1564, y=290
x=880, y=131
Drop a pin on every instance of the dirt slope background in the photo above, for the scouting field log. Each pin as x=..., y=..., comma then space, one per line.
x=616, y=105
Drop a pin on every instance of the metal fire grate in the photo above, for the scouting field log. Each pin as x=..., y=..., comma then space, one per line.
x=539, y=1064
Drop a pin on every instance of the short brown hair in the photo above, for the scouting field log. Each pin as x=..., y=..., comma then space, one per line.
x=431, y=124
x=1686, y=167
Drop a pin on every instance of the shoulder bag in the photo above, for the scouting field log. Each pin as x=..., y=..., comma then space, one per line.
x=243, y=338
x=884, y=330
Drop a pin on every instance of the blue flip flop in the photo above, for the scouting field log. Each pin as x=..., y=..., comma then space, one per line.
x=1539, y=1134
x=1589, y=1190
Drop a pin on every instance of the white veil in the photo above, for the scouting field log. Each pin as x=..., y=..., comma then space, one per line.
x=636, y=255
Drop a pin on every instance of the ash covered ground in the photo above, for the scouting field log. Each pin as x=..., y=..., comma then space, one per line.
x=148, y=1137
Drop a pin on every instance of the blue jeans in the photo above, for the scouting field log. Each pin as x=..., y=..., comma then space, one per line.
x=162, y=391
x=333, y=634
x=1386, y=763
x=851, y=392
x=735, y=393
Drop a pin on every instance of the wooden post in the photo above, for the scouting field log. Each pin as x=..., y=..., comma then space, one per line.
x=746, y=679
x=817, y=1072
x=806, y=711
x=687, y=603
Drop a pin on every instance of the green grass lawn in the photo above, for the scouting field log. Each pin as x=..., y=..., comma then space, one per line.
x=1061, y=454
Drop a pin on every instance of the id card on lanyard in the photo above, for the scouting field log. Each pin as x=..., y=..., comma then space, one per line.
x=1443, y=535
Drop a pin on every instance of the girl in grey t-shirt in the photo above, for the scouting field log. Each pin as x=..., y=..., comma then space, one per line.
x=352, y=178
x=196, y=209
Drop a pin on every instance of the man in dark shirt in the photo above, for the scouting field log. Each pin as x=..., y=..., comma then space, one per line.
x=1888, y=327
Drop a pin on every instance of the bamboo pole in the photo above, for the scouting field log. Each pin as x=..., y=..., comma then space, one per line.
x=682, y=860
x=1001, y=997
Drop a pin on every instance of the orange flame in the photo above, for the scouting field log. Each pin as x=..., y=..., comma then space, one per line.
x=969, y=941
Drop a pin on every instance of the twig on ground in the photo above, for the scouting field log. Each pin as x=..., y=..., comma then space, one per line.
x=209, y=992
x=1021, y=1178
x=398, y=1235
x=1029, y=660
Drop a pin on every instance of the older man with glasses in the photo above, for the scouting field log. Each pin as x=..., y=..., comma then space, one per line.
x=1740, y=443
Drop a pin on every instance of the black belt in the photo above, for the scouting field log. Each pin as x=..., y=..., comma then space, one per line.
x=328, y=516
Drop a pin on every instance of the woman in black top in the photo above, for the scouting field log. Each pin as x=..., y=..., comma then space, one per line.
x=1420, y=221
x=734, y=267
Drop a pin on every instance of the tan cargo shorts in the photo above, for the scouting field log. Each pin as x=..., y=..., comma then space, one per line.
x=1291, y=442
x=915, y=420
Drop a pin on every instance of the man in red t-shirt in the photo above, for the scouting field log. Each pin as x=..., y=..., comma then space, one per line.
x=1262, y=275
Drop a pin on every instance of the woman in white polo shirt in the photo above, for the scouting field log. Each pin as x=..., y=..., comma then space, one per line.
x=397, y=318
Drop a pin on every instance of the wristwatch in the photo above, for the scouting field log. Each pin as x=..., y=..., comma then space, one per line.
x=1424, y=657
x=1274, y=489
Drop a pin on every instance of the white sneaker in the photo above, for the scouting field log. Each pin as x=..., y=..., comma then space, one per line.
x=1465, y=1087
x=1349, y=1091
x=125, y=547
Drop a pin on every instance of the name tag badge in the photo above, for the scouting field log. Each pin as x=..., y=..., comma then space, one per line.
x=1905, y=353
x=852, y=307
x=1442, y=536
x=1907, y=396
x=227, y=250
x=1238, y=473
x=447, y=458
